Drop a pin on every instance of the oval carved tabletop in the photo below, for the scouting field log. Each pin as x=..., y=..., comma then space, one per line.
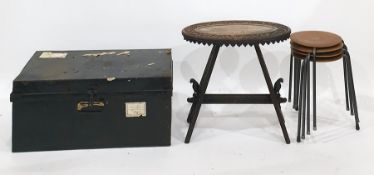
x=236, y=33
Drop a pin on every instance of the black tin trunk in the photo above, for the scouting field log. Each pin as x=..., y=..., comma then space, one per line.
x=93, y=99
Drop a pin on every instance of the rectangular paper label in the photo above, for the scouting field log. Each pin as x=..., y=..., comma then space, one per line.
x=136, y=109
x=48, y=55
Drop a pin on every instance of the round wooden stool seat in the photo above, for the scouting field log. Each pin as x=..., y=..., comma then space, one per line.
x=333, y=56
x=316, y=39
x=321, y=54
x=328, y=46
x=318, y=50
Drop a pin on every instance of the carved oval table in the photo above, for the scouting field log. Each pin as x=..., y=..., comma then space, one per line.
x=235, y=33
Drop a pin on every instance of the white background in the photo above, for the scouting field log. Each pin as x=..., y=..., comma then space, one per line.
x=228, y=139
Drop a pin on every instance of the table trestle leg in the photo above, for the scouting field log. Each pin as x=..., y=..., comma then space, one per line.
x=200, y=90
x=273, y=96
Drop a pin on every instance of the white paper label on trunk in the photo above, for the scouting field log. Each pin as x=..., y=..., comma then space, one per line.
x=136, y=109
x=48, y=55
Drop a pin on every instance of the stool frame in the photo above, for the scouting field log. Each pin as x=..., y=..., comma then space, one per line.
x=300, y=67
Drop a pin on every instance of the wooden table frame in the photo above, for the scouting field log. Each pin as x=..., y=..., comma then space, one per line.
x=200, y=97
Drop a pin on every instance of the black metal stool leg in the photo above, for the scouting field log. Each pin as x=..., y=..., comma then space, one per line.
x=308, y=97
x=294, y=82
x=297, y=73
x=300, y=102
x=303, y=96
x=290, y=79
x=349, y=86
x=314, y=91
x=352, y=89
x=274, y=99
x=349, y=93
x=304, y=93
x=347, y=99
x=200, y=91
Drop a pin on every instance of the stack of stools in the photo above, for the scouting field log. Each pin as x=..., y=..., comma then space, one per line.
x=317, y=46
